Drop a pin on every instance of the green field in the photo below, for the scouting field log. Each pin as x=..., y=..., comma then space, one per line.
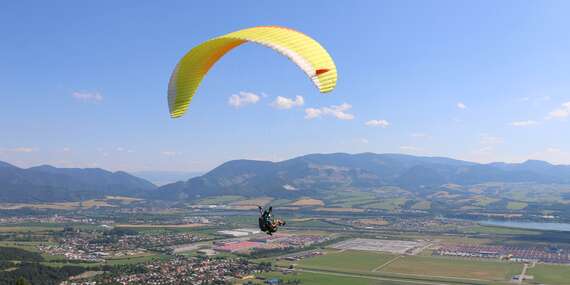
x=499, y=230
x=134, y=259
x=351, y=199
x=311, y=223
x=390, y=204
x=418, y=268
x=422, y=205
x=516, y=205
x=319, y=279
x=550, y=274
x=484, y=201
x=456, y=268
x=241, y=220
x=216, y=200
x=25, y=245
x=26, y=228
x=332, y=279
x=347, y=261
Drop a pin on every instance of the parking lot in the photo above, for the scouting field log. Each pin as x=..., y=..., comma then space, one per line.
x=391, y=246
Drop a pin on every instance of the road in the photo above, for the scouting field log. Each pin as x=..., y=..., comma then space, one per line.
x=523, y=273
x=387, y=263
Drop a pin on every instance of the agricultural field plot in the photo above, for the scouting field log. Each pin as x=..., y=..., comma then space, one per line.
x=108, y=202
x=326, y=278
x=422, y=205
x=550, y=274
x=134, y=259
x=305, y=202
x=455, y=268
x=351, y=199
x=25, y=245
x=347, y=261
x=526, y=192
x=216, y=200
x=516, y=205
x=112, y=261
x=339, y=210
x=23, y=229
x=261, y=201
x=94, y=203
x=391, y=246
x=158, y=226
x=482, y=229
x=280, y=202
x=311, y=224
x=390, y=204
x=123, y=198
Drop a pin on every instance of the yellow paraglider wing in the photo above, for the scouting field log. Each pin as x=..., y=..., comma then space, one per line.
x=307, y=53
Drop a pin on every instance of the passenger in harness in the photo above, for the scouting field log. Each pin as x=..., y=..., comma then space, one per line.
x=267, y=223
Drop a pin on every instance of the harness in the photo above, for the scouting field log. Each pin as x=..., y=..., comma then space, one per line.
x=266, y=223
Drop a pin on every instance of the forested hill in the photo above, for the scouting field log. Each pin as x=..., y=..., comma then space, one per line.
x=311, y=175
x=315, y=174
x=50, y=184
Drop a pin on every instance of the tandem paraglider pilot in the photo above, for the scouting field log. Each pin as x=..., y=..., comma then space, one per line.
x=267, y=223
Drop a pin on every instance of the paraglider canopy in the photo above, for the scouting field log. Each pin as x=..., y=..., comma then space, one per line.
x=304, y=51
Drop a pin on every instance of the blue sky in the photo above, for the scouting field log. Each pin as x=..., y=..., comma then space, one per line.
x=84, y=82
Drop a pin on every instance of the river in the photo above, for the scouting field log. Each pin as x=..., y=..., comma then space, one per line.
x=529, y=225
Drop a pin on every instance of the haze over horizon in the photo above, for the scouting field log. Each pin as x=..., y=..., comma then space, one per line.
x=156, y=175
x=85, y=84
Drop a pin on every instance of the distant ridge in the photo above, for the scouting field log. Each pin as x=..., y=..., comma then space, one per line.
x=166, y=177
x=311, y=175
x=317, y=174
x=46, y=183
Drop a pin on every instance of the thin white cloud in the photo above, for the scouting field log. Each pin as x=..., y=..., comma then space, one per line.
x=288, y=103
x=410, y=148
x=337, y=111
x=420, y=135
x=66, y=149
x=363, y=140
x=19, y=149
x=539, y=98
x=377, y=123
x=461, y=105
x=488, y=140
x=552, y=155
x=526, y=123
x=311, y=113
x=103, y=152
x=243, y=99
x=169, y=153
x=560, y=113
x=122, y=149
x=553, y=150
x=87, y=96
x=485, y=151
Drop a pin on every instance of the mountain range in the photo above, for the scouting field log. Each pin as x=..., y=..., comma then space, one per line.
x=318, y=174
x=50, y=184
x=309, y=175
x=161, y=178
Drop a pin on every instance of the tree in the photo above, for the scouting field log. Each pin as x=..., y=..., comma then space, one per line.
x=22, y=281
